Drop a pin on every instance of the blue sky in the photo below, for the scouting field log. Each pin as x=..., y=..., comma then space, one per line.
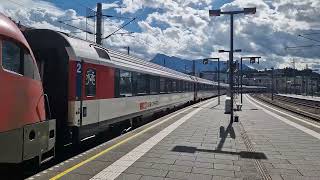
x=80, y=6
x=183, y=28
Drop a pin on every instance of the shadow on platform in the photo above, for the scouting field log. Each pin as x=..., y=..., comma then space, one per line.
x=215, y=107
x=223, y=135
x=242, y=154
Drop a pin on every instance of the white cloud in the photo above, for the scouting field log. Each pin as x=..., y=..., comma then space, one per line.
x=183, y=28
x=106, y=6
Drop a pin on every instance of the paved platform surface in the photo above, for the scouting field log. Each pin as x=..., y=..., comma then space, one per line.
x=199, y=143
x=312, y=98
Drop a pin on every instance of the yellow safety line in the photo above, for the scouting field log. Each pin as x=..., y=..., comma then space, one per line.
x=95, y=156
x=110, y=148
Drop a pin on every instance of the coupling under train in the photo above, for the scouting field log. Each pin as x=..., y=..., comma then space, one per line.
x=57, y=89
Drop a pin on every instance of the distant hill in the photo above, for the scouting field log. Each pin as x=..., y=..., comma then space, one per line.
x=185, y=66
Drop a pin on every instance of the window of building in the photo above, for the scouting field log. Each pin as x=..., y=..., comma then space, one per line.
x=90, y=83
x=141, y=83
x=125, y=83
x=163, y=85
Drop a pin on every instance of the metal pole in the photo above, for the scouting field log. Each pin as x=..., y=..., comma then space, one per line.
x=294, y=82
x=311, y=86
x=194, y=67
x=241, y=79
x=99, y=22
x=218, y=81
x=231, y=67
x=238, y=79
x=307, y=84
x=194, y=84
x=272, y=85
x=286, y=81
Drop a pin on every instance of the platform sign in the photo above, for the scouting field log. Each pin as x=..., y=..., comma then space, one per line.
x=79, y=80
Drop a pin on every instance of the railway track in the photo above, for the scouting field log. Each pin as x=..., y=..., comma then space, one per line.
x=306, y=108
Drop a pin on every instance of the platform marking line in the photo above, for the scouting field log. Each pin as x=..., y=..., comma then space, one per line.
x=309, y=123
x=114, y=170
x=298, y=126
x=122, y=142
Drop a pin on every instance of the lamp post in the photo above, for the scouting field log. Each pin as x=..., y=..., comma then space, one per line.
x=205, y=61
x=252, y=61
x=218, y=12
x=231, y=65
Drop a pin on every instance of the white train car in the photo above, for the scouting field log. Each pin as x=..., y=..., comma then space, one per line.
x=91, y=87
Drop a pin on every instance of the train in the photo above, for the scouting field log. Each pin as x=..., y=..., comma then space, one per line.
x=91, y=87
x=58, y=89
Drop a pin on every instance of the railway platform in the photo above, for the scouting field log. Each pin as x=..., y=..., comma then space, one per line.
x=198, y=142
x=311, y=98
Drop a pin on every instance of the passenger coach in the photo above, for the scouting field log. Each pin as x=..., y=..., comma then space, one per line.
x=91, y=87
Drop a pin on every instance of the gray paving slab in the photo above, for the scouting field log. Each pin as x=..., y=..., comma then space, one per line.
x=202, y=134
x=126, y=176
x=200, y=148
x=188, y=176
x=147, y=171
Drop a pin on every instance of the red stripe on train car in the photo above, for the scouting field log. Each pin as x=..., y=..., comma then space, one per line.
x=105, y=78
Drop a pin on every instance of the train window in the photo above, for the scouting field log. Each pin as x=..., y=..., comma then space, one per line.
x=102, y=53
x=125, y=83
x=174, y=86
x=18, y=60
x=168, y=85
x=30, y=68
x=12, y=57
x=154, y=85
x=90, y=83
x=186, y=87
x=163, y=85
x=181, y=88
x=141, y=83
x=191, y=87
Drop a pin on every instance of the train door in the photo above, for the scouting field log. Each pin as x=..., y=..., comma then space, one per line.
x=90, y=102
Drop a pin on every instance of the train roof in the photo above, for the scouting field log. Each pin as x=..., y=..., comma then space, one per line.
x=10, y=30
x=88, y=50
x=79, y=49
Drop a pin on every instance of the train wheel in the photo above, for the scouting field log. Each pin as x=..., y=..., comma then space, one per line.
x=31, y=166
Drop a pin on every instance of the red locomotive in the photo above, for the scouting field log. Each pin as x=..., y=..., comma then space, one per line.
x=25, y=131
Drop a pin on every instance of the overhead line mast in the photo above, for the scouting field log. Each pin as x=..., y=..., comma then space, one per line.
x=99, y=24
